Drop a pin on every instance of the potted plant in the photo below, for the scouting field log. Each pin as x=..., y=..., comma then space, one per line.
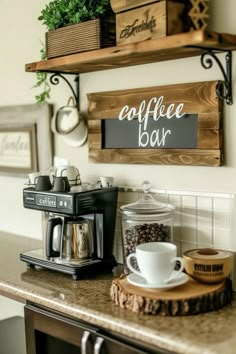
x=77, y=25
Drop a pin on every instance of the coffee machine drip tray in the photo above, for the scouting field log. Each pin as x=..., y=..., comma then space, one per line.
x=76, y=268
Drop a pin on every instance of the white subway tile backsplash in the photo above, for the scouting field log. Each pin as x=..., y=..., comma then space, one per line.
x=178, y=232
x=163, y=198
x=204, y=236
x=203, y=245
x=222, y=204
x=204, y=218
x=176, y=200
x=189, y=201
x=188, y=234
x=185, y=246
x=221, y=220
x=204, y=203
x=177, y=217
x=221, y=238
x=189, y=217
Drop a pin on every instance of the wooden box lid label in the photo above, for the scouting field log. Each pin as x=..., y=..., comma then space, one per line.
x=152, y=21
x=148, y=24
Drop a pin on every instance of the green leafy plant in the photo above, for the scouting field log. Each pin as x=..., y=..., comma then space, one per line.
x=61, y=13
x=42, y=82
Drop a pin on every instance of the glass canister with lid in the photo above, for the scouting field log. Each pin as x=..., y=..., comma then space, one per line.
x=146, y=220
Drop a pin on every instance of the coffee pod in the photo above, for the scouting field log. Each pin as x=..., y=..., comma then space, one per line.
x=208, y=265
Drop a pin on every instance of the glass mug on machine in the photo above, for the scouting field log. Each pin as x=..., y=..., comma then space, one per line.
x=156, y=261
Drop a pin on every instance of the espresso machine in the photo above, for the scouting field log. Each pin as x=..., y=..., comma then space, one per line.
x=80, y=229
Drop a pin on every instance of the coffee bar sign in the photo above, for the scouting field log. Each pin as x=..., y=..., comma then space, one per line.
x=174, y=125
x=152, y=125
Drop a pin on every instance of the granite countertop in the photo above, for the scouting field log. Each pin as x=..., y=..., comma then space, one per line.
x=89, y=300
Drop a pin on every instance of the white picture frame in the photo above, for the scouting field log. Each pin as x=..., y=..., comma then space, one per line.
x=26, y=143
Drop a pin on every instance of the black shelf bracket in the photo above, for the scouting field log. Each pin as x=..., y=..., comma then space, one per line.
x=208, y=57
x=55, y=80
x=224, y=90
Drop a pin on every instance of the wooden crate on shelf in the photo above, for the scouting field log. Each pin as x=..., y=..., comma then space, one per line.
x=154, y=20
x=199, y=14
x=81, y=37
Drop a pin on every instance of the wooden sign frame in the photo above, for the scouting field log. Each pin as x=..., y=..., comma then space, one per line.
x=197, y=98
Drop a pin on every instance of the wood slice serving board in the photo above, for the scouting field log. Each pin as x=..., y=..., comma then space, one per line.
x=188, y=299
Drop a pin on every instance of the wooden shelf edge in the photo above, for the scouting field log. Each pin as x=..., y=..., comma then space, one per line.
x=177, y=46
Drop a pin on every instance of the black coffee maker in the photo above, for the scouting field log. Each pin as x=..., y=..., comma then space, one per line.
x=79, y=232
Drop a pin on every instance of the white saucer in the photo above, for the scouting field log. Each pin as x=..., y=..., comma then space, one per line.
x=139, y=281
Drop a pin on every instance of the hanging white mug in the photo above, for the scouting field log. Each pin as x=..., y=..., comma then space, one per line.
x=69, y=123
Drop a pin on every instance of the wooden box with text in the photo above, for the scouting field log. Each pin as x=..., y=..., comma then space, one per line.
x=155, y=20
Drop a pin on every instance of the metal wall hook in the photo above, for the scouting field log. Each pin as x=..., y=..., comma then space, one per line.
x=55, y=80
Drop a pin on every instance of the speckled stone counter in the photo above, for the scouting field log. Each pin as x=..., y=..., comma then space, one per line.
x=89, y=300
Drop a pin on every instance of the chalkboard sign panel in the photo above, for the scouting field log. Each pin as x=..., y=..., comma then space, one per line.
x=174, y=133
x=175, y=125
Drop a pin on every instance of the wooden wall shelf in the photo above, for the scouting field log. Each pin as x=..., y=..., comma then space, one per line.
x=177, y=46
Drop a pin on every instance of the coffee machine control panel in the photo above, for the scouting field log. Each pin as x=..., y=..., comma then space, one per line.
x=48, y=202
x=70, y=203
x=59, y=202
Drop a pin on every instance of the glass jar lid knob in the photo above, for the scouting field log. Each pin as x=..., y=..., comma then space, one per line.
x=146, y=186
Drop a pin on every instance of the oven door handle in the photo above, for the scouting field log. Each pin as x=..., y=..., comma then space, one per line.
x=98, y=345
x=84, y=342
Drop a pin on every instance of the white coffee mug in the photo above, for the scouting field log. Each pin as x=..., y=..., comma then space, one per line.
x=33, y=177
x=69, y=171
x=156, y=261
x=106, y=181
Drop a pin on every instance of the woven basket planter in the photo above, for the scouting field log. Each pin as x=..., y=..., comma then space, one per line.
x=81, y=37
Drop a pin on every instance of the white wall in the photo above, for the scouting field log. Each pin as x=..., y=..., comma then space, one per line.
x=21, y=34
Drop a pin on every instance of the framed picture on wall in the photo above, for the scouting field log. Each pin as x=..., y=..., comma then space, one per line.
x=25, y=139
x=18, y=149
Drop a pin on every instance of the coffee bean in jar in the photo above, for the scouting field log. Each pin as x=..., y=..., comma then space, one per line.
x=146, y=220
